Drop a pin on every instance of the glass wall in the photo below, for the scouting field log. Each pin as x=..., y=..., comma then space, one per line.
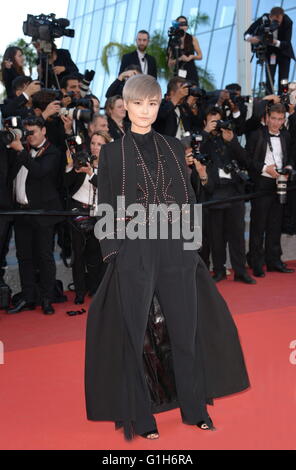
x=98, y=22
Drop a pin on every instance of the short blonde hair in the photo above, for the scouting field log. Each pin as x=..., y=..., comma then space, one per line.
x=141, y=87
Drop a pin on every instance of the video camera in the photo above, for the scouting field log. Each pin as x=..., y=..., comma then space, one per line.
x=196, y=140
x=265, y=33
x=175, y=32
x=47, y=27
x=12, y=129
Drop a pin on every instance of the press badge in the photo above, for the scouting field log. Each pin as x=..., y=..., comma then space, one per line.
x=182, y=73
x=273, y=59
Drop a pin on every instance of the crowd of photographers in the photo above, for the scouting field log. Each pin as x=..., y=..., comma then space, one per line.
x=50, y=145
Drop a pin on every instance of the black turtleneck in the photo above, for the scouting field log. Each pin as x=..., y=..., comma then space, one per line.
x=146, y=146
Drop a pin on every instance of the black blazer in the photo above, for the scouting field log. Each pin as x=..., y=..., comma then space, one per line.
x=133, y=59
x=63, y=59
x=114, y=130
x=167, y=122
x=284, y=35
x=257, y=146
x=73, y=181
x=16, y=107
x=5, y=179
x=7, y=78
x=117, y=176
x=42, y=181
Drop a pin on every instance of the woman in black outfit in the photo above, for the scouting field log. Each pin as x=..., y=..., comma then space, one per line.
x=82, y=187
x=190, y=51
x=147, y=168
x=117, y=120
x=12, y=67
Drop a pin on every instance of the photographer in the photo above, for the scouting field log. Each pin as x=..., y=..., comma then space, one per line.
x=117, y=86
x=189, y=51
x=60, y=65
x=139, y=57
x=12, y=67
x=35, y=169
x=175, y=116
x=202, y=184
x=118, y=122
x=23, y=88
x=269, y=149
x=5, y=204
x=98, y=123
x=277, y=46
x=81, y=181
x=226, y=220
x=78, y=109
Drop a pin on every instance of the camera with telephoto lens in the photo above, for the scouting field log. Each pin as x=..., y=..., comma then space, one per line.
x=47, y=27
x=227, y=125
x=237, y=99
x=196, y=140
x=85, y=82
x=282, y=183
x=233, y=168
x=12, y=129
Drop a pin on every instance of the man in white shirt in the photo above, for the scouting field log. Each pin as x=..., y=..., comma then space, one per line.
x=139, y=57
x=269, y=149
x=280, y=51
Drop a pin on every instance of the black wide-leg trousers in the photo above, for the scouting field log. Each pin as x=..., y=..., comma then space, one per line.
x=145, y=267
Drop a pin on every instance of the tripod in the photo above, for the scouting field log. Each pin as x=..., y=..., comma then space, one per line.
x=46, y=68
x=262, y=60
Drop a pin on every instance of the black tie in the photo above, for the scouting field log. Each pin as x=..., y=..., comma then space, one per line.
x=274, y=135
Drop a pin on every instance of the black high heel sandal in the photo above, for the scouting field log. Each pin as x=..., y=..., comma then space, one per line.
x=205, y=427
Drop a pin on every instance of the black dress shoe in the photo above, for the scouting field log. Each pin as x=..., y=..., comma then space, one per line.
x=205, y=426
x=79, y=300
x=258, y=272
x=281, y=268
x=21, y=306
x=244, y=278
x=219, y=276
x=47, y=307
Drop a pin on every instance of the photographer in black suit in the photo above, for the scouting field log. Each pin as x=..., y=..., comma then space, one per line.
x=23, y=89
x=139, y=57
x=226, y=221
x=269, y=149
x=35, y=170
x=5, y=204
x=81, y=181
x=280, y=51
x=60, y=65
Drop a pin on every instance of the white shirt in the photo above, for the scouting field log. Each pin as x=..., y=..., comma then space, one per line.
x=85, y=193
x=275, y=158
x=143, y=62
x=21, y=178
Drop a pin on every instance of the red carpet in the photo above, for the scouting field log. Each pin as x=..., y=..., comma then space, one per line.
x=42, y=395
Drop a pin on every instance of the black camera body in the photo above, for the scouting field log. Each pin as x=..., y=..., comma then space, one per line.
x=233, y=168
x=47, y=27
x=196, y=140
x=265, y=33
x=13, y=128
x=227, y=125
x=81, y=159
